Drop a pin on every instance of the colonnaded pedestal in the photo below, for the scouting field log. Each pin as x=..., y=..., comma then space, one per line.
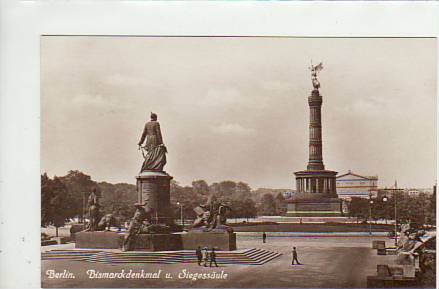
x=316, y=194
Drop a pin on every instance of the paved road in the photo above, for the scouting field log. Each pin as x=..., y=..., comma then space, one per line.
x=327, y=262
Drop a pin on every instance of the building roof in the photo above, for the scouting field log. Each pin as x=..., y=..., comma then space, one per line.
x=349, y=173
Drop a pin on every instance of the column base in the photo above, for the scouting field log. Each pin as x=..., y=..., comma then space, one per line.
x=327, y=207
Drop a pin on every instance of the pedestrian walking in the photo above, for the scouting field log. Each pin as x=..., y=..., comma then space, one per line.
x=264, y=237
x=295, y=257
x=213, y=257
x=199, y=255
x=205, y=256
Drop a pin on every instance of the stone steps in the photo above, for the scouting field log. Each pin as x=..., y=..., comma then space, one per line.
x=251, y=256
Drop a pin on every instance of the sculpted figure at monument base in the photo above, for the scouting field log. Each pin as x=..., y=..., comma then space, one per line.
x=93, y=211
x=211, y=216
x=106, y=222
x=142, y=223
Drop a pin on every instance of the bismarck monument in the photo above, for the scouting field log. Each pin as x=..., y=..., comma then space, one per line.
x=316, y=193
x=152, y=227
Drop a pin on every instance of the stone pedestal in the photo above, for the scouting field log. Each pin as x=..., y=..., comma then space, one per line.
x=157, y=242
x=141, y=242
x=223, y=241
x=153, y=187
x=99, y=240
x=76, y=228
x=378, y=244
x=317, y=207
x=60, y=240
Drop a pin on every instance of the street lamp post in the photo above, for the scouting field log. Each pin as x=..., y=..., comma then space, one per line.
x=84, y=208
x=181, y=213
x=395, y=215
x=396, y=221
x=385, y=201
x=370, y=216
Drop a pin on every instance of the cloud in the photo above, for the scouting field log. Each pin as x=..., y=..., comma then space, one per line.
x=222, y=97
x=235, y=129
x=90, y=99
x=276, y=85
x=235, y=97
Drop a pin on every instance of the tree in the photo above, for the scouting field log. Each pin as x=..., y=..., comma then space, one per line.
x=267, y=206
x=431, y=208
x=55, y=202
x=118, y=199
x=200, y=187
x=243, y=190
x=359, y=208
x=280, y=204
x=236, y=195
x=186, y=197
x=78, y=186
x=224, y=190
x=248, y=209
x=412, y=209
x=60, y=204
x=46, y=196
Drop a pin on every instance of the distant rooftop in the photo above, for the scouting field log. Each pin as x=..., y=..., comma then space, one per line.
x=350, y=173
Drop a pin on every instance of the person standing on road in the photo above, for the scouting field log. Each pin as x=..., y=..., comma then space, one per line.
x=205, y=256
x=264, y=237
x=295, y=257
x=213, y=257
x=199, y=255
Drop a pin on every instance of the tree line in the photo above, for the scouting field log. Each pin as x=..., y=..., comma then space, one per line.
x=418, y=209
x=65, y=197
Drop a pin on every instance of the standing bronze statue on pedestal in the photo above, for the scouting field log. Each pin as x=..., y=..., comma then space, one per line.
x=153, y=184
x=155, y=157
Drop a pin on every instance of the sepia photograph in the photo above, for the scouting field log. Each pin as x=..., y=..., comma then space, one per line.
x=238, y=162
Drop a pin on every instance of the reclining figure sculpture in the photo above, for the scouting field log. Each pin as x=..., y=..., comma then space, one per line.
x=212, y=216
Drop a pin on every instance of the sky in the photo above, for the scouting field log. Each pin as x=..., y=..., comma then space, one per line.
x=235, y=108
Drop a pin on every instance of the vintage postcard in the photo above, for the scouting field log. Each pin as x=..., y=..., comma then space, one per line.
x=238, y=162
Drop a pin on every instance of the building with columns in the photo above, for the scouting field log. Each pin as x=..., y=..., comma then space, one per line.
x=351, y=185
